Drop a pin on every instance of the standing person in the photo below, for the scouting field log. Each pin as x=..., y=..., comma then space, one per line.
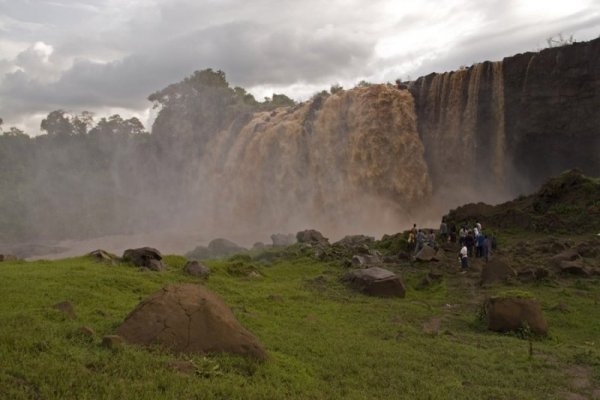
x=443, y=231
x=462, y=235
x=487, y=248
x=464, y=260
x=453, y=233
x=480, y=245
x=470, y=242
x=431, y=239
x=420, y=241
x=478, y=225
x=411, y=241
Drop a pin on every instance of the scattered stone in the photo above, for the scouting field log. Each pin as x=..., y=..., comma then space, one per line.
x=188, y=318
x=196, y=268
x=366, y=259
x=427, y=253
x=574, y=268
x=66, y=308
x=567, y=255
x=496, y=270
x=145, y=257
x=103, y=256
x=311, y=236
x=511, y=313
x=112, y=341
x=183, y=367
x=376, y=281
x=283, y=239
x=87, y=331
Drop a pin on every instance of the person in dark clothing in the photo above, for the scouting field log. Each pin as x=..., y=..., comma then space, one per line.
x=453, y=233
x=470, y=243
x=480, y=244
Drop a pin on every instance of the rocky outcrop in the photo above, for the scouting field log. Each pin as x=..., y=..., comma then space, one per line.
x=145, y=257
x=188, y=318
x=492, y=120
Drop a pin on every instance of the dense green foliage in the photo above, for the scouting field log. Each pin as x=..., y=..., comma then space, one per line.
x=325, y=341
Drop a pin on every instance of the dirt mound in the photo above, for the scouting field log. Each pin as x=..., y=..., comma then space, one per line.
x=188, y=318
x=569, y=202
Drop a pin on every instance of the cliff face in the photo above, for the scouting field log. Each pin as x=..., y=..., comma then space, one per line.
x=513, y=123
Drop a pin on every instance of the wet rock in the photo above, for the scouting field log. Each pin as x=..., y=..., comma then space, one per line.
x=376, y=281
x=145, y=257
x=188, y=318
x=283, y=239
x=66, y=308
x=103, y=256
x=311, y=236
x=366, y=259
x=512, y=314
x=496, y=270
x=427, y=253
x=196, y=268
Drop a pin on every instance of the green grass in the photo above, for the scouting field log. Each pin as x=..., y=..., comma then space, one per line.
x=325, y=341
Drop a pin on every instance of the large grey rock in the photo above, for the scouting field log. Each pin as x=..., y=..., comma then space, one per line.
x=376, y=281
x=145, y=257
x=427, y=253
x=103, y=256
x=355, y=241
x=366, y=259
x=311, y=236
x=188, y=318
x=196, y=268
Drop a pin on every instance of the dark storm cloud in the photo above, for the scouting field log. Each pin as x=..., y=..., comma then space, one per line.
x=100, y=54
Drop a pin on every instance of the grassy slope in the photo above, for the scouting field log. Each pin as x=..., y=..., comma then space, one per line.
x=325, y=341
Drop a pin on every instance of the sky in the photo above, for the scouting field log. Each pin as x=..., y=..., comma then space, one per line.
x=107, y=56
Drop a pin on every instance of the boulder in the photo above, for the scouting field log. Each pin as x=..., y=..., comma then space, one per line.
x=496, y=270
x=258, y=246
x=224, y=248
x=589, y=249
x=283, y=240
x=199, y=253
x=196, y=268
x=311, y=236
x=145, y=257
x=103, y=256
x=567, y=255
x=366, y=259
x=574, y=268
x=188, y=318
x=512, y=313
x=376, y=281
x=427, y=253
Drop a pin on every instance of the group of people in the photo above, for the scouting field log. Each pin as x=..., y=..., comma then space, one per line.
x=471, y=241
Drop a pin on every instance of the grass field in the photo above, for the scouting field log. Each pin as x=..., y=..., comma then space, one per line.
x=324, y=340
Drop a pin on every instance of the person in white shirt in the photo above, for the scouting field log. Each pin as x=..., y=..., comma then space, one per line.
x=464, y=260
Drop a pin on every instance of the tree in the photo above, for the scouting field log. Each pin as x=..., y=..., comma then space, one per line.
x=58, y=123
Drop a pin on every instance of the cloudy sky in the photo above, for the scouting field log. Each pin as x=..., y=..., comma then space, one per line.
x=107, y=56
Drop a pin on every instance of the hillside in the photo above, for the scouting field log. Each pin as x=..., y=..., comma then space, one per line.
x=568, y=203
